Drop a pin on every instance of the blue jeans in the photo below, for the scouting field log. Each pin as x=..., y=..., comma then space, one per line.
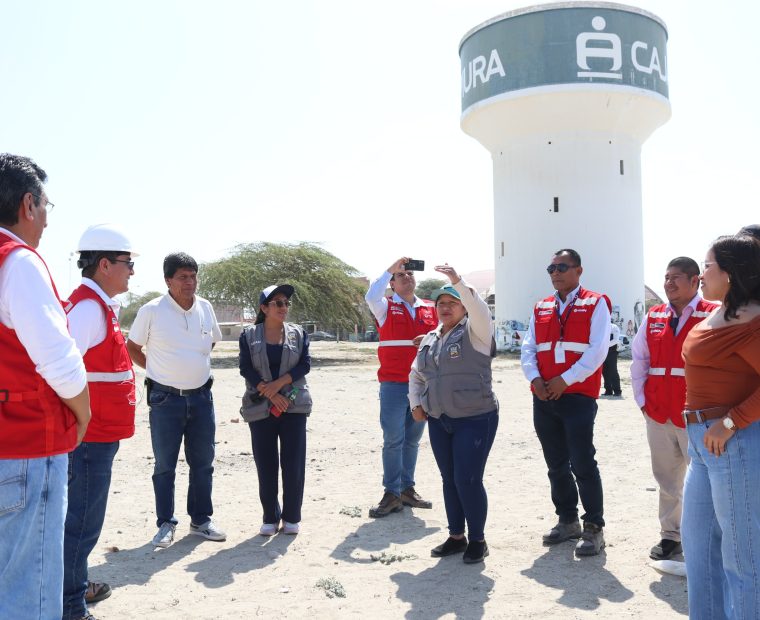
x=89, y=480
x=172, y=419
x=565, y=428
x=461, y=447
x=290, y=430
x=401, y=437
x=720, y=526
x=32, y=512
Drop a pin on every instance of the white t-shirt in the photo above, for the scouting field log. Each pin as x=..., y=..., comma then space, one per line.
x=177, y=342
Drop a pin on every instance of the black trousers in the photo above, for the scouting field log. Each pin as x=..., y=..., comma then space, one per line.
x=610, y=373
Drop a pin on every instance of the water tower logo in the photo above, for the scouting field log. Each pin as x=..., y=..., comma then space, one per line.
x=613, y=52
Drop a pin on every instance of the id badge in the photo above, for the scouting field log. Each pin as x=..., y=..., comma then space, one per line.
x=559, y=353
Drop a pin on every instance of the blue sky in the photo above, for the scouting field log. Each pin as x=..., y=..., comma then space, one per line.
x=201, y=125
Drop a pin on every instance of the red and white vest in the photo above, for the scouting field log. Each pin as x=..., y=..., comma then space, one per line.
x=110, y=377
x=34, y=422
x=665, y=387
x=395, y=350
x=561, y=341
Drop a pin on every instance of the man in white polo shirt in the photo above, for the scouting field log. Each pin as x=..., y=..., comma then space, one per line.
x=178, y=331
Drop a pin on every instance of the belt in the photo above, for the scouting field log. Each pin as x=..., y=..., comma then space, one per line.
x=154, y=385
x=699, y=416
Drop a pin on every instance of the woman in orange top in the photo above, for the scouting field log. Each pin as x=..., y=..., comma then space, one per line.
x=721, y=503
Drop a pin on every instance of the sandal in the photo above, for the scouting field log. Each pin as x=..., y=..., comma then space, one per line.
x=96, y=592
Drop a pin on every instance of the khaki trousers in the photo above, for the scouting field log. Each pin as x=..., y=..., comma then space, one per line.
x=668, y=445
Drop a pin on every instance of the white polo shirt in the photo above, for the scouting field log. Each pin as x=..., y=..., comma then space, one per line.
x=177, y=342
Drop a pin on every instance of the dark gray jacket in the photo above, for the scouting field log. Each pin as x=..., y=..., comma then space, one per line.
x=255, y=406
x=459, y=383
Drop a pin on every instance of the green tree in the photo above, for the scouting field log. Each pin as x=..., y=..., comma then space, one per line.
x=426, y=287
x=134, y=302
x=327, y=290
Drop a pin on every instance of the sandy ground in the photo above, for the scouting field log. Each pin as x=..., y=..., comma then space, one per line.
x=383, y=567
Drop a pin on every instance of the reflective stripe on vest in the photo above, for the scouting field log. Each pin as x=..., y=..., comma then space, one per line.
x=110, y=377
x=699, y=314
x=576, y=347
x=395, y=343
x=674, y=372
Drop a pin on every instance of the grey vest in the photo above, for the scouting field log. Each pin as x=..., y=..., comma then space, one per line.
x=256, y=407
x=459, y=385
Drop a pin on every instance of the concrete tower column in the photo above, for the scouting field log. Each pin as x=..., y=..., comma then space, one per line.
x=563, y=96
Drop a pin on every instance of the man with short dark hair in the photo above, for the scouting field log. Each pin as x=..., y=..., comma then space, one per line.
x=659, y=387
x=402, y=320
x=105, y=258
x=44, y=402
x=178, y=331
x=561, y=356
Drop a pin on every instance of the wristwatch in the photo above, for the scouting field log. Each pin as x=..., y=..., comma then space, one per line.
x=728, y=423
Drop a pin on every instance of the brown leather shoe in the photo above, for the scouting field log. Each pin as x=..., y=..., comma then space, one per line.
x=410, y=497
x=390, y=503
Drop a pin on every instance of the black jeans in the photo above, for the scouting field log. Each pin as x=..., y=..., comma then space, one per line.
x=610, y=372
x=565, y=428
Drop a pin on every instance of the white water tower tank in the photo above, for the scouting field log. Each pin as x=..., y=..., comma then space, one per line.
x=563, y=96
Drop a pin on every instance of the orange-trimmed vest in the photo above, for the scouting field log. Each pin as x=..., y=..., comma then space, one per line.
x=665, y=387
x=34, y=422
x=109, y=376
x=395, y=350
x=562, y=340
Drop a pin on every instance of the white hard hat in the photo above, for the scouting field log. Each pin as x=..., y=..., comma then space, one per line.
x=105, y=238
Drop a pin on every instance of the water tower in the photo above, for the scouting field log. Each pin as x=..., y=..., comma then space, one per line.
x=563, y=96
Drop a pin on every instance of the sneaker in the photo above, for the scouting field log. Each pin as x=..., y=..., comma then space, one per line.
x=592, y=540
x=390, y=503
x=562, y=532
x=476, y=552
x=268, y=529
x=449, y=547
x=410, y=497
x=165, y=535
x=665, y=550
x=290, y=528
x=96, y=592
x=209, y=531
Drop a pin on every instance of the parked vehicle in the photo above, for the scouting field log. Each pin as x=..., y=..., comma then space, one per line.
x=320, y=335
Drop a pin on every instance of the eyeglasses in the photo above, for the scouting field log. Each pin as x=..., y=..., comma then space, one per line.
x=128, y=263
x=704, y=265
x=561, y=267
x=280, y=303
x=49, y=206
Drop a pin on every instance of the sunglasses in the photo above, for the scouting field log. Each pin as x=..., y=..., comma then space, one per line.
x=129, y=263
x=280, y=303
x=561, y=267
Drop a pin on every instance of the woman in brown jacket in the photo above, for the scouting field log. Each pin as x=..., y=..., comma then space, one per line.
x=721, y=514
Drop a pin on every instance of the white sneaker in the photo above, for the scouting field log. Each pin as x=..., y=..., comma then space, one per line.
x=165, y=535
x=290, y=528
x=209, y=531
x=268, y=529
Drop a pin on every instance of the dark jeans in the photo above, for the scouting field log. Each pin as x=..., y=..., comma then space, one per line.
x=172, y=419
x=461, y=447
x=290, y=430
x=610, y=372
x=89, y=480
x=565, y=428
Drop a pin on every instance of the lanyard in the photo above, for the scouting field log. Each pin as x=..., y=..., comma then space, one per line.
x=562, y=317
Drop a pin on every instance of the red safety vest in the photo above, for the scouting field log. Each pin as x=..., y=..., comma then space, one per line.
x=34, y=422
x=395, y=350
x=665, y=387
x=109, y=376
x=561, y=341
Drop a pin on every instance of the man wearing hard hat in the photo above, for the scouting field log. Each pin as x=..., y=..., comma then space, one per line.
x=105, y=258
x=44, y=403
